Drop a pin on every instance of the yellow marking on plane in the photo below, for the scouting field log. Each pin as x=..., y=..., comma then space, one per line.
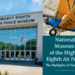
x=63, y=8
x=69, y=21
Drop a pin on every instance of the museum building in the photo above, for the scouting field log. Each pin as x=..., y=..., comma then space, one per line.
x=21, y=37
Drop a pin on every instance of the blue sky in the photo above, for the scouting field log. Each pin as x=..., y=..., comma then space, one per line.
x=9, y=7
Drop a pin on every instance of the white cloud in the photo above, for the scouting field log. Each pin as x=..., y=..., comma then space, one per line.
x=13, y=37
x=34, y=34
x=37, y=5
x=20, y=3
x=37, y=2
x=24, y=39
x=6, y=7
x=9, y=7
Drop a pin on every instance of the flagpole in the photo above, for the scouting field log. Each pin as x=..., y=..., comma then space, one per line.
x=21, y=40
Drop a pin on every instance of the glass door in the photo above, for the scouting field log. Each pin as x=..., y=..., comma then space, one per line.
x=17, y=55
x=22, y=55
x=2, y=55
x=7, y=55
x=27, y=55
x=12, y=55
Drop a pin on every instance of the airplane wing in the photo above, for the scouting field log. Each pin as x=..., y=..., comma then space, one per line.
x=69, y=21
x=64, y=8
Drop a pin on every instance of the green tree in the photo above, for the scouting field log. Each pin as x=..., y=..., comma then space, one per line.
x=1, y=43
x=2, y=46
x=31, y=42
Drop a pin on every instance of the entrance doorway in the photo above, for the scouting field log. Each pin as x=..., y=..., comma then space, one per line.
x=18, y=55
x=14, y=48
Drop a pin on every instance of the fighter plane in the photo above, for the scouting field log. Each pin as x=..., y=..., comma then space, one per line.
x=65, y=7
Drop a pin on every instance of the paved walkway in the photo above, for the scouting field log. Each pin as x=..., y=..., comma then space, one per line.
x=20, y=68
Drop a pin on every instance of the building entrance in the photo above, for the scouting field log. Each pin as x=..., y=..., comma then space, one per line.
x=18, y=44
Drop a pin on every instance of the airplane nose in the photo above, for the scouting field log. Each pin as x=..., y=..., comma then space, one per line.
x=46, y=20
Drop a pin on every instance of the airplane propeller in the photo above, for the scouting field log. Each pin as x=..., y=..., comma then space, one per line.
x=46, y=20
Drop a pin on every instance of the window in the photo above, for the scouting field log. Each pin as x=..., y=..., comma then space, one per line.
x=11, y=38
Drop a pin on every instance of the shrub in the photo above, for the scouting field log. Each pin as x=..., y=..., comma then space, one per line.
x=0, y=73
x=6, y=73
x=40, y=63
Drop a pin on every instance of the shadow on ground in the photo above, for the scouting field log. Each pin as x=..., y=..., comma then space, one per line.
x=19, y=63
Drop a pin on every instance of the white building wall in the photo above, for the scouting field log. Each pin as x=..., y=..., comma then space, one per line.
x=39, y=38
